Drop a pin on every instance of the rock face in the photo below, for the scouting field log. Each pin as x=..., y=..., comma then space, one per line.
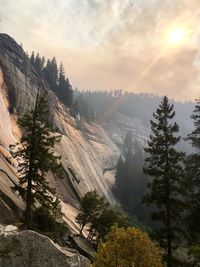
x=86, y=149
x=84, y=247
x=11, y=206
x=30, y=249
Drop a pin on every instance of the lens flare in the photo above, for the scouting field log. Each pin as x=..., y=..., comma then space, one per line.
x=177, y=36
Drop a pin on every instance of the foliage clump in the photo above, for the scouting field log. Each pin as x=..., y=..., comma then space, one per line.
x=97, y=214
x=128, y=247
x=45, y=223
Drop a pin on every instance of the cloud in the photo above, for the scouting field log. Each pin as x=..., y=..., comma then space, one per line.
x=112, y=44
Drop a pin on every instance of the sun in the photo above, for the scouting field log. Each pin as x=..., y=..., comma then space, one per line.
x=177, y=36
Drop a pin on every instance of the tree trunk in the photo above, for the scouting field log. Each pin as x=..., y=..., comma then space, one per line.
x=29, y=200
x=28, y=212
x=169, y=238
x=81, y=229
x=169, y=234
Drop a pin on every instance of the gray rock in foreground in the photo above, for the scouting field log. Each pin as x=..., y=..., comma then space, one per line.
x=31, y=249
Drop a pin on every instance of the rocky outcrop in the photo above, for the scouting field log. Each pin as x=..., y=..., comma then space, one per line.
x=31, y=249
x=84, y=247
x=11, y=206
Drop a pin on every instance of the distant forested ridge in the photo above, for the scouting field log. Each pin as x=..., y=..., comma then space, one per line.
x=105, y=104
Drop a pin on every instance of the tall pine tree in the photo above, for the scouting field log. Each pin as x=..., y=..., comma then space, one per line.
x=119, y=188
x=36, y=157
x=164, y=164
x=64, y=89
x=32, y=58
x=193, y=180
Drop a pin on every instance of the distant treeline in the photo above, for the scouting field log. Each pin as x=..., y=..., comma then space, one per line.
x=105, y=104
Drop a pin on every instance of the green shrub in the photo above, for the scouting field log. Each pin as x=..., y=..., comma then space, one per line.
x=45, y=223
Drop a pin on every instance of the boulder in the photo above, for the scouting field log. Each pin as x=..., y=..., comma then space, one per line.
x=84, y=247
x=31, y=249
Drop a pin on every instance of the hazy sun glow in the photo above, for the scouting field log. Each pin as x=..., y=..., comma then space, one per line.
x=177, y=36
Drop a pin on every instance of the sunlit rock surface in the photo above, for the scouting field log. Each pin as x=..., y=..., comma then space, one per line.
x=11, y=206
x=87, y=151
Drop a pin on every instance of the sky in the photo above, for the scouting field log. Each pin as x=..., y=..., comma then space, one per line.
x=136, y=45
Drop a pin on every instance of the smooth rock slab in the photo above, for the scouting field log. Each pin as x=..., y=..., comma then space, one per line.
x=10, y=228
x=31, y=249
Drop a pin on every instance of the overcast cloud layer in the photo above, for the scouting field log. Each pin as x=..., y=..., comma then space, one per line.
x=112, y=44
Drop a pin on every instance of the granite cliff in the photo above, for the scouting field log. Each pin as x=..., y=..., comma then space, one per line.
x=86, y=152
